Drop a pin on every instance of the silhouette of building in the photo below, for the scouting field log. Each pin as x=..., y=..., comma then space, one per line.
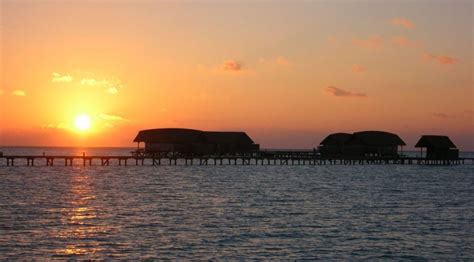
x=229, y=142
x=182, y=141
x=438, y=147
x=362, y=144
x=185, y=141
x=333, y=144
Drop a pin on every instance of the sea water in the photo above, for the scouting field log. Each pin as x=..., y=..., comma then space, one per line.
x=234, y=212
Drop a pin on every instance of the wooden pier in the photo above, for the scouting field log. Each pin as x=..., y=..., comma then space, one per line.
x=287, y=158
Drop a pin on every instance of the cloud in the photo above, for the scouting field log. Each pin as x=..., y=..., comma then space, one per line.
x=403, y=41
x=279, y=61
x=358, y=69
x=58, y=78
x=55, y=126
x=334, y=91
x=18, y=93
x=440, y=59
x=110, y=86
x=441, y=115
x=371, y=43
x=112, y=90
x=92, y=82
x=466, y=114
x=282, y=61
x=232, y=66
x=108, y=117
x=403, y=22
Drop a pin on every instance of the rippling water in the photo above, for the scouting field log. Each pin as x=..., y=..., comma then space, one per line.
x=237, y=212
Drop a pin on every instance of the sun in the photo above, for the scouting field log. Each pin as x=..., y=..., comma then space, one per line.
x=82, y=122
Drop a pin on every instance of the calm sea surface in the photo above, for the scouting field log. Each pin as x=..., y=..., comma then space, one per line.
x=235, y=212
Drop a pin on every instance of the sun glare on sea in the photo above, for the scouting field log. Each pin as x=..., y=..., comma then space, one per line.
x=82, y=122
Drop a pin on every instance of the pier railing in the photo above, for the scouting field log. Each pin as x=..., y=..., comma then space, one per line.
x=266, y=158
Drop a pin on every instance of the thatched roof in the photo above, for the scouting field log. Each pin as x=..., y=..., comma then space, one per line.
x=435, y=141
x=190, y=136
x=377, y=138
x=338, y=139
x=213, y=137
x=169, y=135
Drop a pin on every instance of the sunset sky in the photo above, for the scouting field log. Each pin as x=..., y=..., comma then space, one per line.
x=286, y=72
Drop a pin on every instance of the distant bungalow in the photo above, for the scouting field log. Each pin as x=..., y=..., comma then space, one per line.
x=361, y=144
x=438, y=147
x=181, y=141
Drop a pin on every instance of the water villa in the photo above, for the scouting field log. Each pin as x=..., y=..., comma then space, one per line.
x=180, y=146
x=438, y=147
x=184, y=142
x=362, y=144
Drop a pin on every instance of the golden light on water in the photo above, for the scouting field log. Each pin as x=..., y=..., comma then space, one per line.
x=78, y=219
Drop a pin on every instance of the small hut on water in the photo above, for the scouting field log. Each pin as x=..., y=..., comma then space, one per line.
x=182, y=141
x=361, y=144
x=334, y=144
x=222, y=143
x=437, y=147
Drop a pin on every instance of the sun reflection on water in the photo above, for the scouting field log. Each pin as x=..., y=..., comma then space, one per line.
x=80, y=223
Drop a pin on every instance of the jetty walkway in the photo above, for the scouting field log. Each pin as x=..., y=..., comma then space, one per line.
x=267, y=158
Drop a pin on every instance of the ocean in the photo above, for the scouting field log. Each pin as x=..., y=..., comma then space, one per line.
x=252, y=212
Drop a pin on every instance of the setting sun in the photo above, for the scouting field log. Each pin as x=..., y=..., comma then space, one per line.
x=82, y=122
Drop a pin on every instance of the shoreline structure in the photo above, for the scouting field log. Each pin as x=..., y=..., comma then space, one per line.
x=180, y=146
x=265, y=158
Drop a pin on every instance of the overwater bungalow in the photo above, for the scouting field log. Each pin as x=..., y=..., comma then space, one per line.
x=164, y=140
x=362, y=144
x=333, y=145
x=375, y=143
x=229, y=142
x=182, y=141
x=437, y=147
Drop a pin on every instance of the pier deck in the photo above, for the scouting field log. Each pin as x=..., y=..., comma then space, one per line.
x=290, y=158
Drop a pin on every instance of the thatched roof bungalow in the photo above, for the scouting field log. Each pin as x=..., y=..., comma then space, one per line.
x=192, y=141
x=333, y=144
x=169, y=139
x=169, y=135
x=361, y=144
x=437, y=147
x=375, y=143
x=229, y=142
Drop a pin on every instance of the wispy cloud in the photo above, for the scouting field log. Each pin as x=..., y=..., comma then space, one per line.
x=371, y=43
x=58, y=78
x=402, y=41
x=282, y=61
x=110, y=86
x=466, y=114
x=93, y=82
x=358, y=69
x=339, y=92
x=441, y=115
x=232, y=66
x=18, y=93
x=112, y=90
x=279, y=61
x=55, y=126
x=440, y=59
x=403, y=22
x=109, y=117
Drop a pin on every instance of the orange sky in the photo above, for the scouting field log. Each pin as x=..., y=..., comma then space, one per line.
x=287, y=73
